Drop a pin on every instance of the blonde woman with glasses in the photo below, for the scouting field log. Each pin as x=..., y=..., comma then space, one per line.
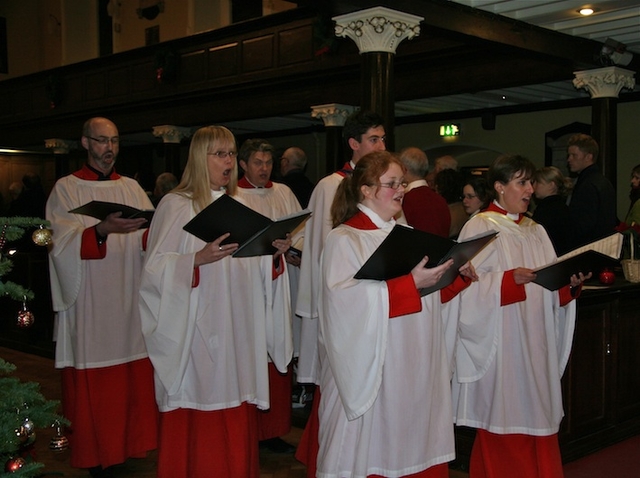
x=203, y=317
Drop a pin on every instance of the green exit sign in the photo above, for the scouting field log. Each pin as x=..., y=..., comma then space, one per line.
x=450, y=129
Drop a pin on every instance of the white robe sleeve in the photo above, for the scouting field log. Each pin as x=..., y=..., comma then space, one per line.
x=354, y=317
x=66, y=271
x=278, y=317
x=165, y=292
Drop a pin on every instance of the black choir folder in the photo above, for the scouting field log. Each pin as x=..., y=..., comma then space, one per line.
x=404, y=247
x=593, y=257
x=101, y=209
x=253, y=231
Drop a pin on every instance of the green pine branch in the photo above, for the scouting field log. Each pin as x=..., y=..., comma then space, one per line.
x=20, y=401
x=13, y=228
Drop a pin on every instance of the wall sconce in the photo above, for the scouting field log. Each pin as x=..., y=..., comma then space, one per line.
x=150, y=9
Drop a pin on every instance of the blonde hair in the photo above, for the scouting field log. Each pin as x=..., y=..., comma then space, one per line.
x=195, y=182
x=551, y=174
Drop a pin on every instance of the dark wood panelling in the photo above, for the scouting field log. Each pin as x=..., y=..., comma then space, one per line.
x=193, y=67
x=267, y=66
x=94, y=86
x=257, y=54
x=295, y=45
x=143, y=77
x=627, y=337
x=588, y=372
x=73, y=91
x=119, y=81
x=223, y=60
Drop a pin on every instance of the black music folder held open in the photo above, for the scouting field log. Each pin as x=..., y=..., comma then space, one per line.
x=101, y=209
x=250, y=229
x=557, y=275
x=405, y=247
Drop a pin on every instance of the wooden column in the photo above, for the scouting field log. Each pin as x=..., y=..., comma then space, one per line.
x=604, y=85
x=604, y=129
x=333, y=116
x=171, y=137
x=378, y=31
x=61, y=148
x=377, y=87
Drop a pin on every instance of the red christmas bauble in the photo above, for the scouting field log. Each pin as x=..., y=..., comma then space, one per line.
x=14, y=464
x=607, y=276
x=25, y=319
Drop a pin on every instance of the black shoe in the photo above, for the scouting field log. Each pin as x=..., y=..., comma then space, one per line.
x=99, y=472
x=277, y=445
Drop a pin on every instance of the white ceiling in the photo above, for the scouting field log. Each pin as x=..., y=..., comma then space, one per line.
x=615, y=19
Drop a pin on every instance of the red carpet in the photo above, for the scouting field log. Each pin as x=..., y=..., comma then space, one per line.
x=616, y=461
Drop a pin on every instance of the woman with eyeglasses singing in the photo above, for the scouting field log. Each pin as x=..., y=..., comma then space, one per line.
x=382, y=347
x=203, y=318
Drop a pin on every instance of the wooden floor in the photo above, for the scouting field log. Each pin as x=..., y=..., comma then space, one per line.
x=32, y=368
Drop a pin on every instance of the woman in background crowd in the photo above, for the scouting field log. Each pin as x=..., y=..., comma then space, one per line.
x=551, y=190
x=633, y=216
x=475, y=196
x=449, y=185
x=514, y=337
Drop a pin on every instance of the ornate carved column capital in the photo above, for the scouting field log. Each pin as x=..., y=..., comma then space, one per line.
x=171, y=134
x=378, y=29
x=332, y=114
x=604, y=82
x=60, y=146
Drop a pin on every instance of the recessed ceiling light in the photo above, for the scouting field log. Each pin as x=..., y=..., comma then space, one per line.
x=586, y=11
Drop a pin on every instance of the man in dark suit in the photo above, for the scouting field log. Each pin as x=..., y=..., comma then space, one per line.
x=593, y=201
x=292, y=165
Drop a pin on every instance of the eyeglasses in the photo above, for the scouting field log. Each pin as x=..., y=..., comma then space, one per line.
x=103, y=140
x=468, y=196
x=394, y=184
x=223, y=154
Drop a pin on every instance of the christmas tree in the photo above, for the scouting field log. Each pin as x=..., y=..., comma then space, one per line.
x=12, y=229
x=22, y=407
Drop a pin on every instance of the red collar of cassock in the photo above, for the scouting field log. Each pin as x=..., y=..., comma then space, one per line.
x=245, y=184
x=495, y=208
x=346, y=169
x=91, y=174
x=361, y=221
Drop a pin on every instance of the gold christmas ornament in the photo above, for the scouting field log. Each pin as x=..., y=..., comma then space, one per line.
x=41, y=236
x=22, y=435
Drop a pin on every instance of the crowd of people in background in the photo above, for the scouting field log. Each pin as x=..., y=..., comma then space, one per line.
x=167, y=341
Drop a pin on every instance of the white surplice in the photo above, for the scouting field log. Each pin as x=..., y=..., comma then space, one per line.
x=275, y=202
x=509, y=359
x=316, y=230
x=385, y=382
x=96, y=301
x=209, y=344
